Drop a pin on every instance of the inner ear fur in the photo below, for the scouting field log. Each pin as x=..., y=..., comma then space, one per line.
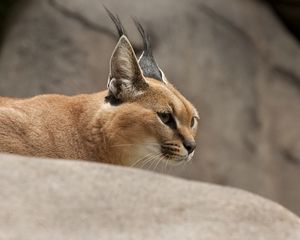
x=126, y=79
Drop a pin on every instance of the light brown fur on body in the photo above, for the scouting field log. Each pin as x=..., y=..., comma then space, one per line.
x=47, y=125
x=138, y=119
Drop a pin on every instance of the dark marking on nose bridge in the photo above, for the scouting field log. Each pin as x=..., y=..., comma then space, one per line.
x=184, y=137
x=188, y=143
x=180, y=135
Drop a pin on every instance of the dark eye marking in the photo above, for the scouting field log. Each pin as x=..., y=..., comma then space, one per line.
x=167, y=119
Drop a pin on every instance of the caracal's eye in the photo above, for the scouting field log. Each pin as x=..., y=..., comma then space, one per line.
x=194, y=122
x=167, y=119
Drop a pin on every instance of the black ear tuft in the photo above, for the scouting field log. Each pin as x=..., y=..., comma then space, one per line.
x=147, y=61
x=145, y=37
x=116, y=20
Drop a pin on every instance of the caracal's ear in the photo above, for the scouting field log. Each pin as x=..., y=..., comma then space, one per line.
x=126, y=80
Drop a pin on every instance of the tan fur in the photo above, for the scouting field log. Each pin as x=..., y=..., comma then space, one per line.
x=88, y=128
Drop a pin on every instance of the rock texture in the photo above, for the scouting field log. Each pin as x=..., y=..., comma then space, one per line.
x=233, y=59
x=81, y=200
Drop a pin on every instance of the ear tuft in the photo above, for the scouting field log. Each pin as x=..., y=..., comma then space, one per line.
x=147, y=60
x=116, y=20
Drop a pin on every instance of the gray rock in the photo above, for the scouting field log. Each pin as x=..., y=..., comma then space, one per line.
x=233, y=59
x=54, y=199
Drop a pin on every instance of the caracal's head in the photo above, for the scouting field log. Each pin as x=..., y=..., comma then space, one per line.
x=151, y=120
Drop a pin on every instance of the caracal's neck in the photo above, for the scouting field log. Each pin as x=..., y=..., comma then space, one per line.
x=97, y=128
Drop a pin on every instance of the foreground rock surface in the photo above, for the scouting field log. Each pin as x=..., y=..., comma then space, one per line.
x=55, y=199
x=232, y=58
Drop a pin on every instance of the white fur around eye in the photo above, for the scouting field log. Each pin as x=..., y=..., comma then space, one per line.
x=195, y=123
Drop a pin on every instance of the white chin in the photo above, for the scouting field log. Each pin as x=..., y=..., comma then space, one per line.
x=190, y=156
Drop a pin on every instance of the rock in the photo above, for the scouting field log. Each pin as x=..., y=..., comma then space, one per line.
x=55, y=199
x=233, y=59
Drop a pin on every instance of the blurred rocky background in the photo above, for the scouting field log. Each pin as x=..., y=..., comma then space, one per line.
x=237, y=61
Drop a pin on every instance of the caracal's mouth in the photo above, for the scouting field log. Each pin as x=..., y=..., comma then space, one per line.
x=174, y=153
x=152, y=155
x=158, y=161
x=176, y=160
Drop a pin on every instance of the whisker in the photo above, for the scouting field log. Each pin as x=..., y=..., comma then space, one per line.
x=153, y=161
x=144, y=163
x=141, y=159
x=135, y=144
x=149, y=160
x=159, y=160
x=166, y=165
